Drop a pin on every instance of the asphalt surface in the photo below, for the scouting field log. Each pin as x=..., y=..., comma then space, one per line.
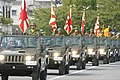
x=102, y=72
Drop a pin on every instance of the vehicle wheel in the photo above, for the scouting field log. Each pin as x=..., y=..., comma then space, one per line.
x=36, y=73
x=62, y=69
x=95, y=61
x=105, y=60
x=118, y=58
x=67, y=69
x=79, y=64
x=112, y=59
x=84, y=64
x=4, y=77
x=43, y=75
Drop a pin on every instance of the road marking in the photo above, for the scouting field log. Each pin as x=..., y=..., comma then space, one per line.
x=72, y=73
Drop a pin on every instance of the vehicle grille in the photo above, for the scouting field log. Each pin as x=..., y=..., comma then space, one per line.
x=14, y=59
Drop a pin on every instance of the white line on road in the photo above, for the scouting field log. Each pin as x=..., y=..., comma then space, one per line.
x=72, y=73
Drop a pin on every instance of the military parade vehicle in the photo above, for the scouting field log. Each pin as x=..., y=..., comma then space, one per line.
x=58, y=54
x=78, y=54
x=119, y=49
x=104, y=47
x=116, y=49
x=92, y=50
x=21, y=55
x=112, y=50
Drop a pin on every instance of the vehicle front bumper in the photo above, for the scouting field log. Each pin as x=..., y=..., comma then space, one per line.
x=54, y=64
x=17, y=69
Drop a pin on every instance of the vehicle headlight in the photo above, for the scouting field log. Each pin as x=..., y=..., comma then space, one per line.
x=2, y=57
x=74, y=52
x=28, y=58
x=102, y=50
x=56, y=54
x=90, y=50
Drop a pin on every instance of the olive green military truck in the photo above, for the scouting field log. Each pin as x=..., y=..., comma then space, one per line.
x=78, y=52
x=104, y=49
x=92, y=50
x=58, y=54
x=21, y=55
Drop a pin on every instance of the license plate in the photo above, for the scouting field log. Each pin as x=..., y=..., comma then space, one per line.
x=31, y=62
x=76, y=56
x=58, y=58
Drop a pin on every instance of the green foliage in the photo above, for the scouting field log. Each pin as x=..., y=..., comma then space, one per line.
x=108, y=11
x=6, y=21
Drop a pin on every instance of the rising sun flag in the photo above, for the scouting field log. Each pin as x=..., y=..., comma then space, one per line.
x=96, y=28
x=23, y=20
x=52, y=21
x=68, y=24
x=83, y=23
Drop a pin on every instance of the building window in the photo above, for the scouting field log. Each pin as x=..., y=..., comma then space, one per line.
x=14, y=12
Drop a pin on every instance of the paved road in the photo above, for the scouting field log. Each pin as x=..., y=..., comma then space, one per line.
x=103, y=72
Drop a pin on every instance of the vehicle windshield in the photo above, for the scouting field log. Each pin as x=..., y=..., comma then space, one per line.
x=19, y=42
x=73, y=41
x=103, y=42
x=89, y=41
x=48, y=41
x=58, y=41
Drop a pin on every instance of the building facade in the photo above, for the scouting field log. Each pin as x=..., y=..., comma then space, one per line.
x=5, y=12
x=15, y=9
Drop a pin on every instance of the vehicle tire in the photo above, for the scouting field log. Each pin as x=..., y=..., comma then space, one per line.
x=84, y=64
x=67, y=69
x=79, y=64
x=105, y=60
x=112, y=59
x=95, y=61
x=4, y=77
x=62, y=68
x=36, y=73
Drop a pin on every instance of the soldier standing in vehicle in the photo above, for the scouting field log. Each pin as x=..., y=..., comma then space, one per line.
x=59, y=32
x=32, y=30
x=76, y=32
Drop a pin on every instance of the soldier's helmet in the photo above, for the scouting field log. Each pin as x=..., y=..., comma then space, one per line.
x=33, y=25
x=75, y=28
x=91, y=29
x=59, y=29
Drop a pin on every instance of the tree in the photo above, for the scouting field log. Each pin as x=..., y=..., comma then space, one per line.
x=108, y=11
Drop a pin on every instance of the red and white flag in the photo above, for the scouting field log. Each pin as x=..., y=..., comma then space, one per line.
x=68, y=24
x=96, y=28
x=23, y=20
x=52, y=21
x=83, y=23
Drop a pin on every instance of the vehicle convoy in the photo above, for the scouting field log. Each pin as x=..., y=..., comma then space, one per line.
x=78, y=52
x=104, y=47
x=58, y=54
x=21, y=55
x=92, y=50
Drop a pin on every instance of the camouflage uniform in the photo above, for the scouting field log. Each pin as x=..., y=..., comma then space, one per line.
x=32, y=30
x=76, y=33
x=59, y=32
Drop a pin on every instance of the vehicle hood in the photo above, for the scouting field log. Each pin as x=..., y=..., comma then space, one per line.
x=54, y=49
x=18, y=51
x=76, y=48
